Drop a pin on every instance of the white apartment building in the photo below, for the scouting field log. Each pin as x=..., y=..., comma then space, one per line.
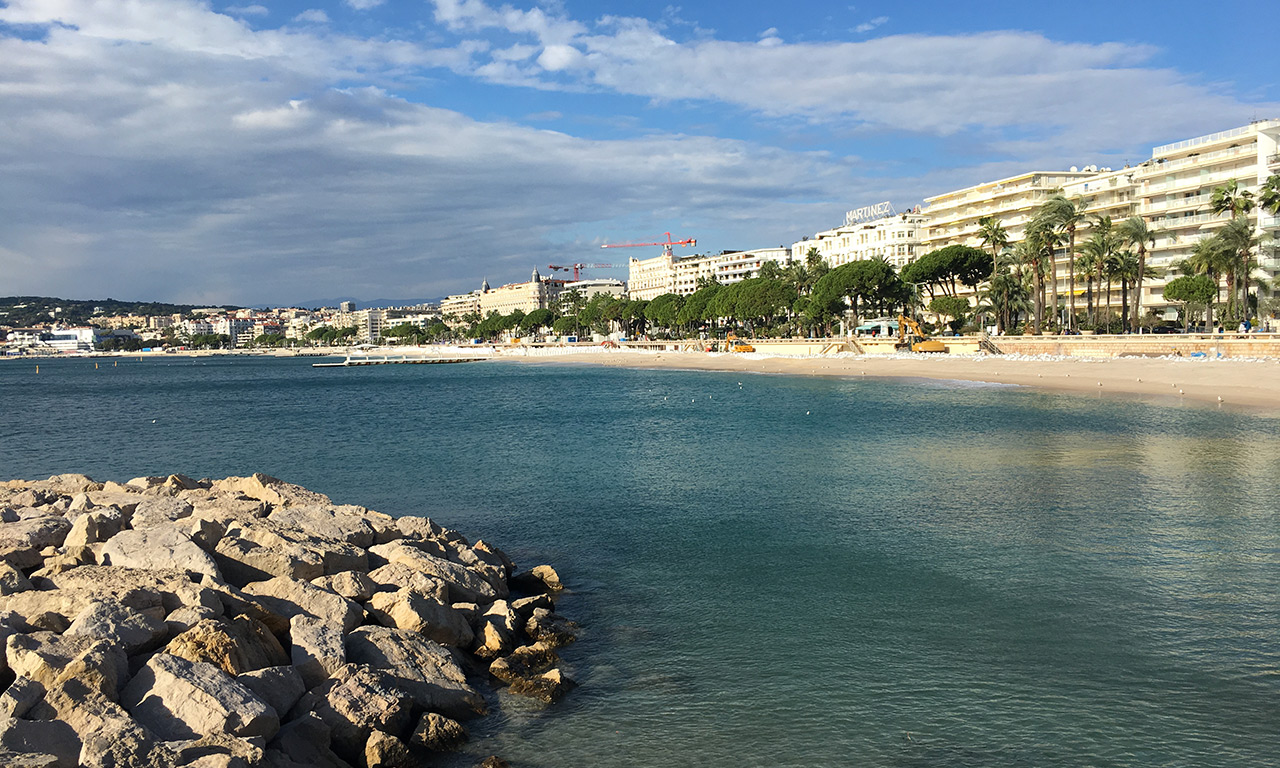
x=891, y=236
x=651, y=278
x=595, y=287
x=736, y=267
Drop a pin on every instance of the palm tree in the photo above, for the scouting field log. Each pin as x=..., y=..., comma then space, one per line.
x=993, y=235
x=1063, y=213
x=1209, y=257
x=1229, y=198
x=1136, y=232
x=1269, y=195
x=1237, y=237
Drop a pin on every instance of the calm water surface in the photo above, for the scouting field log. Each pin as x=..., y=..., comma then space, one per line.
x=779, y=571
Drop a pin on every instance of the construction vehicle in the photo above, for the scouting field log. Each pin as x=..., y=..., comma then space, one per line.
x=916, y=340
x=734, y=344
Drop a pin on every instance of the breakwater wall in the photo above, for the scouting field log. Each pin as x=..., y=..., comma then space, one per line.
x=252, y=622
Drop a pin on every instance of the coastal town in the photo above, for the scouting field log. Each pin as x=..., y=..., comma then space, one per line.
x=1185, y=240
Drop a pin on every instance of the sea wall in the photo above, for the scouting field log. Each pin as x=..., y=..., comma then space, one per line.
x=251, y=622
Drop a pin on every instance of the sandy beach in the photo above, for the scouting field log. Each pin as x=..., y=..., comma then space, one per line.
x=1252, y=384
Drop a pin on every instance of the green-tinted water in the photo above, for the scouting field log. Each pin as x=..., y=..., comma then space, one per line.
x=779, y=571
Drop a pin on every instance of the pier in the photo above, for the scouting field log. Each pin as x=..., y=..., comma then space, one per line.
x=403, y=360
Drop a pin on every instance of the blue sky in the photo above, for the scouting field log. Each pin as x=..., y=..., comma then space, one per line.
x=275, y=152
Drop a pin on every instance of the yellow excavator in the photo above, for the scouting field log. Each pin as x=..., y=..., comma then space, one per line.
x=916, y=340
x=734, y=344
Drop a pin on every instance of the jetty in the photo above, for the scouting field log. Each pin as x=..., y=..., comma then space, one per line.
x=351, y=362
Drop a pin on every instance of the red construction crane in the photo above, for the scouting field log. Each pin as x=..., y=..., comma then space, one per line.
x=666, y=246
x=577, y=267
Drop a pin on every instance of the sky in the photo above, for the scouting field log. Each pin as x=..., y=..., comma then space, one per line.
x=283, y=152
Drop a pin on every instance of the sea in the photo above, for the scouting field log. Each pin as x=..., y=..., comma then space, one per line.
x=773, y=570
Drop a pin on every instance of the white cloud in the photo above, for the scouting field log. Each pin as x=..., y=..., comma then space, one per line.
x=867, y=26
x=247, y=10
x=555, y=58
x=312, y=16
x=364, y=5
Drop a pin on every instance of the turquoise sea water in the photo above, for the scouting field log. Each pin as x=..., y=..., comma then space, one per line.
x=777, y=571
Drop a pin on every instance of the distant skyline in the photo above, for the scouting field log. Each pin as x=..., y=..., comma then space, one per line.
x=269, y=152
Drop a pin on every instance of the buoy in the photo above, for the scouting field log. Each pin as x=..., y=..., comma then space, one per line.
x=1180, y=392
x=1219, y=398
x=1139, y=379
x=37, y=369
x=95, y=366
x=1099, y=383
x=806, y=413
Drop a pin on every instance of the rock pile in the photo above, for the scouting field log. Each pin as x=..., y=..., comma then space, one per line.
x=251, y=622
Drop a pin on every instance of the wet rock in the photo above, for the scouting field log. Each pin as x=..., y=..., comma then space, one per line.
x=179, y=700
x=439, y=733
x=524, y=662
x=548, y=687
x=551, y=629
x=496, y=631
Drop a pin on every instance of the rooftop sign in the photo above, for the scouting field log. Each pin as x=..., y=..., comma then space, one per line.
x=869, y=213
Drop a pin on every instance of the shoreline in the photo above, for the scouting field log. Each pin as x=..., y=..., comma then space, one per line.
x=1232, y=383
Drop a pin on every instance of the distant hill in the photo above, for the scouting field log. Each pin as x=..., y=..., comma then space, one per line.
x=23, y=311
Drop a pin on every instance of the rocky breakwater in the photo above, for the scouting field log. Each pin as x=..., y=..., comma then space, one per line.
x=251, y=622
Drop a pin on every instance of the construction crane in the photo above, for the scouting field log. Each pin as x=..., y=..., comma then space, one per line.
x=577, y=267
x=666, y=246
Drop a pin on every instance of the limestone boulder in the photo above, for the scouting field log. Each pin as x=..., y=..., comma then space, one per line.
x=180, y=700
x=394, y=577
x=495, y=631
x=304, y=742
x=22, y=541
x=288, y=598
x=280, y=687
x=551, y=629
x=69, y=484
x=120, y=497
x=219, y=749
x=425, y=615
x=352, y=585
x=383, y=750
x=243, y=561
x=438, y=733
x=105, y=735
x=21, y=695
x=111, y=620
x=136, y=588
x=161, y=547
x=334, y=554
x=51, y=660
x=540, y=578
x=95, y=527
x=33, y=737
x=359, y=701
x=235, y=646
x=328, y=522
x=548, y=687
x=424, y=668
x=465, y=585
x=160, y=510
x=525, y=606
x=271, y=490
x=12, y=580
x=319, y=648
x=524, y=662
x=185, y=618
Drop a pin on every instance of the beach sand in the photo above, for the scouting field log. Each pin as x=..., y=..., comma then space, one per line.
x=1252, y=384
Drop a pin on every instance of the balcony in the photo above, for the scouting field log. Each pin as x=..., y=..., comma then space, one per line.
x=1273, y=161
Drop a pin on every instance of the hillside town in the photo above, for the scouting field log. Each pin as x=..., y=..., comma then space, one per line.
x=1161, y=243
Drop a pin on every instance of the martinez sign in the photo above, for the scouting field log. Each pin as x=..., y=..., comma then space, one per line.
x=869, y=213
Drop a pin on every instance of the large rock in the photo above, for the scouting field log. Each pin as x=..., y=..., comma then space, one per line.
x=359, y=701
x=426, y=669
x=107, y=737
x=12, y=580
x=540, y=578
x=550, y=629
x=496, y=631
x=22, y=541
x=32, y=737
x=243, y=561
x=271, y=490
x=289, y=598
x=21, y=695
x=235, y=646
x=51, y=660
x=95, y=527
x=220, y=750
x=179, y=699
x=465, y=585
x=427, y=616
x=336, y=523
x=524, y=662
x=383, y=750
x=162, y=547
x=319, y=648
x=439, y=733
x=160, y=510
x=394, y=577
x=132, y=586
x=352, y=585
x=111, y=620
x=280, y=687
x=304, y=743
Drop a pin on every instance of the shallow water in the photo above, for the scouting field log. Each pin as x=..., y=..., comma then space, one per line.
x=778, y=571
